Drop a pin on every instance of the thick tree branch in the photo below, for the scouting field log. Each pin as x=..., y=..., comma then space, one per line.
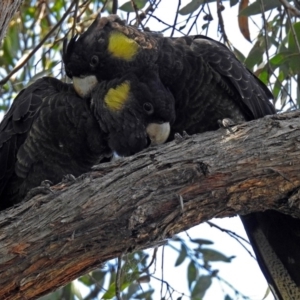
x=133, y=203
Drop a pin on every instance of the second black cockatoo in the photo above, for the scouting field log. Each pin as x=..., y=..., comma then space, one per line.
x=50, y=131
x=206, y=79
x=208, y=84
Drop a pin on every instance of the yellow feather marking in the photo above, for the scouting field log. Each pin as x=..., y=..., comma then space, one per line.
x=117, y=97
x=120, y=46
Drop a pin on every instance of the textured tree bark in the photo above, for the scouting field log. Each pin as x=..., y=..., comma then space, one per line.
x=135, y=202
x=7, y=10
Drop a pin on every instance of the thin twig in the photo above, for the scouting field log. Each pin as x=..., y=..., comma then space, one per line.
x=35, y=49
x=270, y=70
x=176, y=16
x=162, y=270
x=233, y=235
x=118, y=278
x=221, y=21
x=195, y=20
x=164, y=23
x=115, y=6
x=287, y=9
x=75, y=18
x=290, y=8
x=151, y=262
x=151, y=8
x=104, y=6
x=266, y=34
x=169, y=286
x=138, y=20
x=144, y=13
x=40, y=16
x=94, y=292
x=206, y=267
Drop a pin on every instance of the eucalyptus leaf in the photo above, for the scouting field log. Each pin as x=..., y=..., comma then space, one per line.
x=202, y=241
x=192, y=273
x=201, y=286
x=128, y=6
x=182, y=256
x=213, y=255
x=255, y=7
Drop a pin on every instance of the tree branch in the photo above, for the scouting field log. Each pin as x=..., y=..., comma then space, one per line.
x=290, y=8
x=8, y=9
x=25, y=59
x=135, y=202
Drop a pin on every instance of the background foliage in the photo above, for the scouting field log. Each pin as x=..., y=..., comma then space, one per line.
x=33, y=46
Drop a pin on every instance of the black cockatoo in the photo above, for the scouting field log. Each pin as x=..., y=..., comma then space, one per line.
x=50, y=131
x=208, y=84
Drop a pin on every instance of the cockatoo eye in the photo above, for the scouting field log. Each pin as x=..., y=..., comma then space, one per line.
x=148, y=108
x=94, y=61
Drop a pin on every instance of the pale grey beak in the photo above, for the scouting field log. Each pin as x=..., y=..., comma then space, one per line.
x=158, y=133
x=84, y=85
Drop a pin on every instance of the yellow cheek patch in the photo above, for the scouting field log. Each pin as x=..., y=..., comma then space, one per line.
x=117, y=97
x=120, y=46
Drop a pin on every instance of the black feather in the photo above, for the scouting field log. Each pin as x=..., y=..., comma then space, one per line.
x=37, y=139
x=50, y=131
x=208, y=84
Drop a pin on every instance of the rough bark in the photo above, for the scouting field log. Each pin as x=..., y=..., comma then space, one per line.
x=7, y=10
x=135, y=202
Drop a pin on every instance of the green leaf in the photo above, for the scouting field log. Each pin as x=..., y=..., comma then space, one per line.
x=278, y=59
x=202, y=241
x=255, y=7
x=233, y=2
x=240, y=56
x=132, y=289
x=86, y=280
x=263, y=75
x=190, y=7
x=213, y=255
x=278, y=84
x=256, y=53
x=30, y=12
x=287, y=59
x=182, y=256
x=192, y=273
x=58, y=5
x=111, y=292
x=292, y=45
x=201, y=286
x=194, y=5
x=294, y=63
x=128, y=7
x=67, y=291
x=204, y=26
x=11, y=45
x=99, y=275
